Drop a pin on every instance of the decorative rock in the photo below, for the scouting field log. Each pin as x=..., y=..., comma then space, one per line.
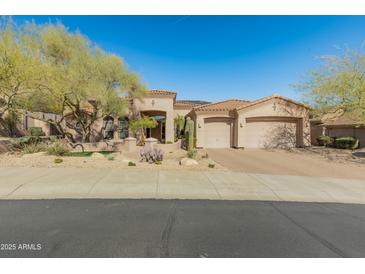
x=188, y=162
x=97, y=155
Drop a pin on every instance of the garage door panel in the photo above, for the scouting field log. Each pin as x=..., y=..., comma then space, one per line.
x=270, y=134
x=217, y=133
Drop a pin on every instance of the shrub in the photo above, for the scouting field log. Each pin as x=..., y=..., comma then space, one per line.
x=110, y=157
x=130, y=163
x=79, y=154
x=33, y=148
x=151, y=155
x=192, y=153
x=158, y=163
x=324, y=140
x=21, y=142
x=169, y=142
x=57, y=160
x=346, y=142
x=58, y=149
x=36, y=131
x=210, y=165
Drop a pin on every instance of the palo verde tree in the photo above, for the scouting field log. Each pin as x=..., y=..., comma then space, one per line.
x=80, y=81
x=140, y=125
x=20, y=71
x=339, y=85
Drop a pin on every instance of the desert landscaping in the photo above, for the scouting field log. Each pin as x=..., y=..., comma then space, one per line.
x=173, y=160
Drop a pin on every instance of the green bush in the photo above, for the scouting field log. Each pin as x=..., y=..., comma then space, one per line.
x=33, y=148
x=110, y=157
x=21, y=142
x=346, y=142
x=36, y=131
x=58, y=149
x=324, y=140
x=130, y=163
x=169, y=142
x=210, y=165
x=158, y=162
x=57, y=160
x=79, y=154
x=192, y=153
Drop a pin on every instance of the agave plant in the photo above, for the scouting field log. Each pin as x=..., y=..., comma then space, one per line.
x=151, y=155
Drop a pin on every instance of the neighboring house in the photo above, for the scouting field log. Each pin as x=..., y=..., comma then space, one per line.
x=25, y=122
x=271, y=122
x=338, y=125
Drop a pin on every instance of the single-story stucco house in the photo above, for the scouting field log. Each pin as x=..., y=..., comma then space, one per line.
x=274, y=121
x=337, y=125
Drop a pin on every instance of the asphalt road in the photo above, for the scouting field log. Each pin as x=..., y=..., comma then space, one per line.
x=180, y=228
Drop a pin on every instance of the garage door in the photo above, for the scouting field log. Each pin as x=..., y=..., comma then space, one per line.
x=217, y=133
x=270, y=134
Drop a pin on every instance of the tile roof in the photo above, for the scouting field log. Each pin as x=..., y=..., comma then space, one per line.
x=274, y=96
x=230, y=104
x=339, y=118
x=189, y=103
x=160, y=92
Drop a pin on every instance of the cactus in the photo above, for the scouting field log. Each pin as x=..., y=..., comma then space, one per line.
x=189, y=133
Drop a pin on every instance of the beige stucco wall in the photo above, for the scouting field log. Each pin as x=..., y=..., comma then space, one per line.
x=165, y=104
x=273, y=108
x=181, y=112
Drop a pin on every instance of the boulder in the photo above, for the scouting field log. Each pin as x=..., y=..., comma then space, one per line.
x=97, y=155
x=188, y=162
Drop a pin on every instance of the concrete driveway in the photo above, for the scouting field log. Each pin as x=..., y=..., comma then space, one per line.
x=284, y=163
x=75, y=183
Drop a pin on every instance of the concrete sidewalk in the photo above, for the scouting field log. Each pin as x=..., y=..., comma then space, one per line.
x=50, y=183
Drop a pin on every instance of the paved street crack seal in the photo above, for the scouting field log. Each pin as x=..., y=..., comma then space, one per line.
x=166, y=233
x=324, y=242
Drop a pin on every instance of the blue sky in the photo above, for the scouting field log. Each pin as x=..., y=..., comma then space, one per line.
x=219, y=57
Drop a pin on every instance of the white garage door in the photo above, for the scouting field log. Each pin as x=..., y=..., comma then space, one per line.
x=217, y=133
x=270, y=134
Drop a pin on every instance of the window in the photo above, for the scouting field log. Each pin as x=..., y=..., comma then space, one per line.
x=123, y=128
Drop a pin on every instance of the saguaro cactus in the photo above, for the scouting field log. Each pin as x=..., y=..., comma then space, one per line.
x=189, y=133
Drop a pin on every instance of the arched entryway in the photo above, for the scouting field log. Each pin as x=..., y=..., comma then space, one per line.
x=158, y=132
